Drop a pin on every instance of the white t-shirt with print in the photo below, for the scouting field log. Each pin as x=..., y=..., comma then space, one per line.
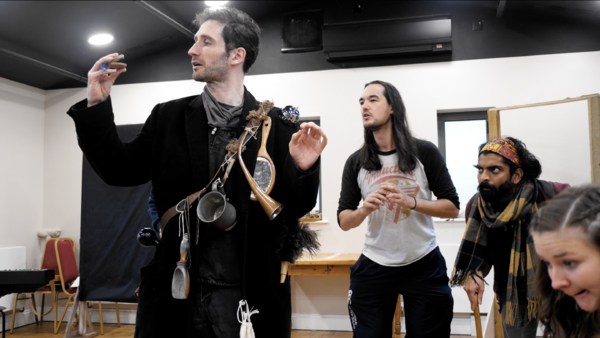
x=398, y=236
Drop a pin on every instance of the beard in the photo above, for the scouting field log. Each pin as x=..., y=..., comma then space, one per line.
x=376, y=125
x=494, y=194
x=213, y=72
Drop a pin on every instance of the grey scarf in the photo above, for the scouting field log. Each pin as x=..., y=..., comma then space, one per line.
x=219, y=115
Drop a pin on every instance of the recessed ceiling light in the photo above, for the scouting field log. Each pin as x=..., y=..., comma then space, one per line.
x=215, y=3
x=100, y=39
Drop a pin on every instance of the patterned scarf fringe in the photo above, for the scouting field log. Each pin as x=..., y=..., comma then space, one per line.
x=512, y=311
x=460, y=277
x=533, y=307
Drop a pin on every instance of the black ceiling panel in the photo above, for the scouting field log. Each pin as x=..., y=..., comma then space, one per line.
x=56, y=32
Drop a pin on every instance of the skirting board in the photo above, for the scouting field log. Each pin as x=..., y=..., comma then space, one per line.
x=23, y=318
x=306, y=321
x=463, y=325
x=127, y=316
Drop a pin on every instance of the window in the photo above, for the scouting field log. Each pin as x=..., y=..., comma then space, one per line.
x=460, y=132
x=315, y=214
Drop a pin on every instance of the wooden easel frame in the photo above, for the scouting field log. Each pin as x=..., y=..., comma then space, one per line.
x=80, y=310
x=594, y=124
x=593, y=101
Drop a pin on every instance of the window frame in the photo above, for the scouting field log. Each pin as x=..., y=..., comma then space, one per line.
x=317, y=121
x=458, y=115
x=464, y=114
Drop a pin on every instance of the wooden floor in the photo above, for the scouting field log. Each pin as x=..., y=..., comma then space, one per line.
x=126, y=331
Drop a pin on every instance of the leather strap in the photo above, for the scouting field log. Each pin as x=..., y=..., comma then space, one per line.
x=166, y=217
x=253, y=122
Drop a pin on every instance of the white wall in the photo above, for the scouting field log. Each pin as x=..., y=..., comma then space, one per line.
x=567, y=138
x=22, y=168
x=63, y=158
x=332, y=95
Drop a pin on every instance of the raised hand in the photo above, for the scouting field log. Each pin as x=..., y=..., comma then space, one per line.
x=100, y=81
x=307, y=144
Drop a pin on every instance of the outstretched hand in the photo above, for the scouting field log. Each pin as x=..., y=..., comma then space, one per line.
x=100, y=81
x=307, y=144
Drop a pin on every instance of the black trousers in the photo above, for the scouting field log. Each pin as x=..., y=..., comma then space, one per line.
x=374, y=290
x=214, y=311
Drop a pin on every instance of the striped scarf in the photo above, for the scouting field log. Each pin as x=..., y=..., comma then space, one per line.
x=520, y=286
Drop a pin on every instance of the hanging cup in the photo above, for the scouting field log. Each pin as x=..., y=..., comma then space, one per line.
x=214, y=209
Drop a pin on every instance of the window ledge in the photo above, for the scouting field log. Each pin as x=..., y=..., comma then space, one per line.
x=438, y=220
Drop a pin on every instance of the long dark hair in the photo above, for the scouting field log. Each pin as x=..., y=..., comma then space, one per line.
x=574, y=207
x=403, y=140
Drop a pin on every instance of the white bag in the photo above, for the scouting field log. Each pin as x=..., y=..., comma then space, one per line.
x=246, y=330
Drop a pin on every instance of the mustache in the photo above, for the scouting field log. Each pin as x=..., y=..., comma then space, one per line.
x=486, y=185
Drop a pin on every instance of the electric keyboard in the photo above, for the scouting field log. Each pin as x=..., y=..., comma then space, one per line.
x=19, y=281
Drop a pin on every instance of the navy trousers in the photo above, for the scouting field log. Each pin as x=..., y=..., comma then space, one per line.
x=374, y=290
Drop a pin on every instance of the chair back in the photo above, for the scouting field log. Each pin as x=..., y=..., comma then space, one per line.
x=49, y=260
x=67, y=265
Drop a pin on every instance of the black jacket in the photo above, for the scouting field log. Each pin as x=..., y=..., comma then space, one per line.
x=172, y=151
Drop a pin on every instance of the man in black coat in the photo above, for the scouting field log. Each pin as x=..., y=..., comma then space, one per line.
x=181, y=148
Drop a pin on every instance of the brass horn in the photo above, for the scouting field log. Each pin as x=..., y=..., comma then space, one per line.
x=271, y=206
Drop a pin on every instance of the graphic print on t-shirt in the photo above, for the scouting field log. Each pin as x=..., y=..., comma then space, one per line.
x=407, y=182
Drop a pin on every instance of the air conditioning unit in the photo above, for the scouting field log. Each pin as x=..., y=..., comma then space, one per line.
x=376, y=38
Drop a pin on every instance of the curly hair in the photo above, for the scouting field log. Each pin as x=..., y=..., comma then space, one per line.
x=575, y=207
x=240, y=31
x=531, y=166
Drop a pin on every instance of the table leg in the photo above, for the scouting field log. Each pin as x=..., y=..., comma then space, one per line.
x=4, y=322
x=397, y=318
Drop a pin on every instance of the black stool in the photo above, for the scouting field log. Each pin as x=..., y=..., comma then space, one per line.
x=2, y=308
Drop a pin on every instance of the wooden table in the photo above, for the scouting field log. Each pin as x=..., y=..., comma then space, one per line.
x=323, y=264
x=331, y=264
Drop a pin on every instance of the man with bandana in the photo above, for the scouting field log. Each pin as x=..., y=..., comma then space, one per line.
x=497, y=233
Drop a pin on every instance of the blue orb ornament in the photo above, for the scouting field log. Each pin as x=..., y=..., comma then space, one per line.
x=290, y=113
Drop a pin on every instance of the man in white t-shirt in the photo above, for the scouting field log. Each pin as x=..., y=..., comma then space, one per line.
x=396, y=174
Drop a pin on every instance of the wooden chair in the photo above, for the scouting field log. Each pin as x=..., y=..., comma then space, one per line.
x=398, y=318
x=102, y=319
x=65, y=271
x=49, y=261
x=68, y=273
x=67, y=267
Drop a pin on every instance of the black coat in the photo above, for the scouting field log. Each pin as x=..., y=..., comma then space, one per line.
x=172, y=151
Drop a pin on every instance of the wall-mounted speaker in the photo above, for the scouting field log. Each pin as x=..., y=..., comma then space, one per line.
x=301, y=31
